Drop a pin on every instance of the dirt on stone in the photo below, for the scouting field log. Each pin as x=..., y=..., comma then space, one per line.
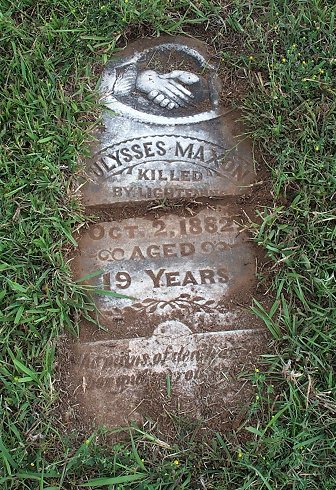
x=161, y=410
x=165, y=413
x=156, y=405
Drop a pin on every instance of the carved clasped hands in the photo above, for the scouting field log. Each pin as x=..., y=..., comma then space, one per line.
x=167, y=90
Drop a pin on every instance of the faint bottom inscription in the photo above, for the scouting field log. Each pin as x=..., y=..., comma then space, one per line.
x=118, y=379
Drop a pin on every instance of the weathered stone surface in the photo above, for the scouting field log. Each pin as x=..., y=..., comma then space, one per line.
x=168, y=264
x=118, y=379
x=182, y=331
x=168, y=137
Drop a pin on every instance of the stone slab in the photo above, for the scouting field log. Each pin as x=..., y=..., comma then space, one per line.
x=118, y=381
x=168, y=136
x=168, y=264
x=172, y=290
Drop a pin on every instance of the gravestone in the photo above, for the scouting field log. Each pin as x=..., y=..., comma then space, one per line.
x=173, y=330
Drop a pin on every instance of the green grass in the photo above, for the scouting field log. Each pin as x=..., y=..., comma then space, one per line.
x=284, y=54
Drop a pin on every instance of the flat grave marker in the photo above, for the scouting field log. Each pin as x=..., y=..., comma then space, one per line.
x=176, y=333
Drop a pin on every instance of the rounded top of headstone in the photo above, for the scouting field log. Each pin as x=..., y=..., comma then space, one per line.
x=163, y=80
x=171, y=329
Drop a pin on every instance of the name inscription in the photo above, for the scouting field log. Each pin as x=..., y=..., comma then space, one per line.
x=165, y=166
x=127, y=156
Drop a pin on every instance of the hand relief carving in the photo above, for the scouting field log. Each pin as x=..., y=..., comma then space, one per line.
x=145, y=86
x=165, y=90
